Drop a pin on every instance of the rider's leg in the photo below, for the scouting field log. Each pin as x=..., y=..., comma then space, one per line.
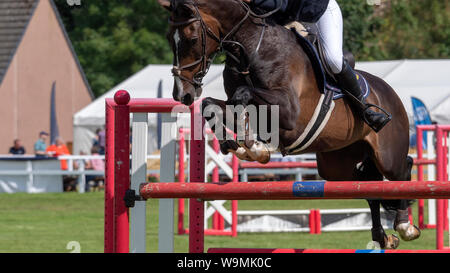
x=330, y=33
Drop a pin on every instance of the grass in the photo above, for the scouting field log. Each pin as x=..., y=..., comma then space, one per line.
x=40, y=223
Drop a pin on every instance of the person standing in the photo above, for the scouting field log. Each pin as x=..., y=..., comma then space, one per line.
x=40, y=145
x=102, y=140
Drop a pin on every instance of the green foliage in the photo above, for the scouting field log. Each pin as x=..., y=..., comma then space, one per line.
x=116, y=38
x=414, y=29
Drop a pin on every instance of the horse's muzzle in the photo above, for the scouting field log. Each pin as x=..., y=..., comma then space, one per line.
x=184, y=94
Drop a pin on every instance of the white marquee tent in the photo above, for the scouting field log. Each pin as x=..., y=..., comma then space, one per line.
x=428, y=80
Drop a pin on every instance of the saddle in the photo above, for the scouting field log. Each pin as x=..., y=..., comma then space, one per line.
x=329, y=89
x=324, y=77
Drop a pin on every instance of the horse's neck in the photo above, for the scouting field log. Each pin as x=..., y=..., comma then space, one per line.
x=244, y=45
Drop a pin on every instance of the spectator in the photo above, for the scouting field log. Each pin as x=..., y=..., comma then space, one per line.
x=57, y=149
x=95, y=140
x=94, y=164
x=40, y=146
x=17, y=149
x=101, y=140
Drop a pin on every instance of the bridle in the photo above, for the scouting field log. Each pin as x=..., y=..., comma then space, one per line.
x=205, y=60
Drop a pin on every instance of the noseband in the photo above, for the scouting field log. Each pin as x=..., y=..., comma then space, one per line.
x=205, y=60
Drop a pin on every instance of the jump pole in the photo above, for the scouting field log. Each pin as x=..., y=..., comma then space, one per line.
x=297, y=190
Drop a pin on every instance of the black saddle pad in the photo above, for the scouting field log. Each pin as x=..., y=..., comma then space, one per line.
x=325, y=83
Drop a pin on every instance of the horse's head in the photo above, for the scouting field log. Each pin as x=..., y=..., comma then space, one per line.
x=194, y=38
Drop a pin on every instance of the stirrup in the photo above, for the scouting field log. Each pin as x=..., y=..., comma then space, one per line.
x=374, y=127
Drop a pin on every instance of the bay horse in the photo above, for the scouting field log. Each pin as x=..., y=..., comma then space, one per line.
x=265, y=65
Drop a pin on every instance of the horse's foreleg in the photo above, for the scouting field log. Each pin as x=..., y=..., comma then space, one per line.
x=256, y=149
x=214, y=111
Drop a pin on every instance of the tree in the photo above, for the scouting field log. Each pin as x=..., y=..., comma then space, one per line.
x=412, y=29
x=116, y=38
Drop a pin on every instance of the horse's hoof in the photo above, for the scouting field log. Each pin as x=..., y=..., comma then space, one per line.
x=407, y=231
x=391, y=242
x=260, y=152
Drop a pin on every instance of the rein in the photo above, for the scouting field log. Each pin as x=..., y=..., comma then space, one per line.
x=205, y=60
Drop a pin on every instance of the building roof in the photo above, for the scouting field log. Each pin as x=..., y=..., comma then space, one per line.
x=14, y=17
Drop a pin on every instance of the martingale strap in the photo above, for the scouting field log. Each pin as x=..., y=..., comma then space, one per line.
x=315, y=125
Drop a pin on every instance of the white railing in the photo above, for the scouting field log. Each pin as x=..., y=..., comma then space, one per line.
x=72, y=160
x=77, y=166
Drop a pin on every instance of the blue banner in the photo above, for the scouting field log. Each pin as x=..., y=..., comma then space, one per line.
x=421, y=117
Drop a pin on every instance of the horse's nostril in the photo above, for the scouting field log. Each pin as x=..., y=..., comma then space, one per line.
x=187, y=99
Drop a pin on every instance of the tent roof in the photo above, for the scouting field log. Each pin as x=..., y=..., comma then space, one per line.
x=427, y=80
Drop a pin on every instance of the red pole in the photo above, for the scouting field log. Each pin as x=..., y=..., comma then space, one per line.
x=278, y=165
x=410, y=214
x=197, y=176
x=121, y=170
x=419, y=142
x=318, y=222
x=109, y=178
x=440, y=176
x=215, y=178
x=289, y=190
x=181, y=179
x=445, y=177
x=312, y=221
x=234, y=203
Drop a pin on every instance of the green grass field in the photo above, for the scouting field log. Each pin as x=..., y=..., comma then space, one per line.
x=48, y=222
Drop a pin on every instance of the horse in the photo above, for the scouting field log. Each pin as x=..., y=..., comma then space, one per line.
x=266, y=66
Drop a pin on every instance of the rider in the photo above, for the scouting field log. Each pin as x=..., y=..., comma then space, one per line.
x=327, y=17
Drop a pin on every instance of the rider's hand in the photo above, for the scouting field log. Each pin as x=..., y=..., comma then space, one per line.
x=247, y=1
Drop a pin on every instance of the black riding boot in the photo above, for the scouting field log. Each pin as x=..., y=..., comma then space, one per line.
x=348, y=82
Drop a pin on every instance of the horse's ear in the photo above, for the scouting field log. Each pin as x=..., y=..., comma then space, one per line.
x=166, y=4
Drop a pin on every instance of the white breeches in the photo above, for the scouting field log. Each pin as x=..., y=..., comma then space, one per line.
x=330, y=33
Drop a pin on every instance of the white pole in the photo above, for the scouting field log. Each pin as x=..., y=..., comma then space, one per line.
x=167, y=174
x=81, y=178
x=138, y=176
